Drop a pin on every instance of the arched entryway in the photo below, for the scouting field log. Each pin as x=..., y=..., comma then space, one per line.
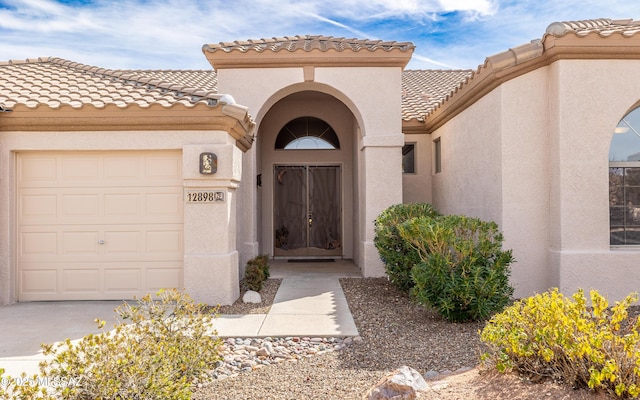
x=306, y=166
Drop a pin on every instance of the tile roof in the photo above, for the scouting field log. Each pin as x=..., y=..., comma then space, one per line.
x=604, y=27
x=424, y=90
x=588, y=39
x=56, y=82
x=307, y=43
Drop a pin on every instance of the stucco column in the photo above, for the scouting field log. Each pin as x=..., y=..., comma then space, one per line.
x=210, y=255
x=380, y=186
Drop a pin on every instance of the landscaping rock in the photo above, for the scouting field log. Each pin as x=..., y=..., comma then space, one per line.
x=403, y=383
x=251, y=297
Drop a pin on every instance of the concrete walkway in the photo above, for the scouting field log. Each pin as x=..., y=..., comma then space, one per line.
x=309, y=302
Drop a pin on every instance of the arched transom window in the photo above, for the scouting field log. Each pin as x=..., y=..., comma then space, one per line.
x=307, y=133
x=624, y=182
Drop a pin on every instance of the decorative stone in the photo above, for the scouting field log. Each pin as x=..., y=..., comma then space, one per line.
x=251, y=297
x=403, y=383
x=431, y=374
x=263, y=352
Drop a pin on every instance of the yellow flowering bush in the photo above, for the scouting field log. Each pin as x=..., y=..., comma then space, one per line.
x=553, y=336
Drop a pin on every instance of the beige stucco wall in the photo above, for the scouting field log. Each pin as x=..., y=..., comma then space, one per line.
x=525, y=180
x=532, y=155
x=365, y=91
x=470, y=182
x=494, y=167
x=223, y=291
x=588, y=100
x=416, y=187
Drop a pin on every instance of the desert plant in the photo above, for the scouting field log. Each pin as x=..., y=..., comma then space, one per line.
x=463, y=272
x=552, y=336
x=164, y=348
x=398, y=255
x=23, y=387
x=263, y=262
x=256, y=272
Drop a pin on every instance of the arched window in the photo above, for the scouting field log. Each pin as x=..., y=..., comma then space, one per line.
x=307, y=133
x=624, y=182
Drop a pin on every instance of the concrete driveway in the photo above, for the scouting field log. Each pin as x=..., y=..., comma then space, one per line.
x=309, y=302
x=27, y=325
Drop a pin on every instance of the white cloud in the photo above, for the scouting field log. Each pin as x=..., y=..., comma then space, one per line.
x=170, y=33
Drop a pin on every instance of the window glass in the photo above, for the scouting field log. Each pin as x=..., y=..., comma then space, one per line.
x=625, y=145
x=307, y=133
x=624, y=182
x=408, y=158
x=437, y=156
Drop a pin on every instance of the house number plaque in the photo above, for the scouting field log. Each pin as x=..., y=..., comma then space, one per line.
x=202, y=196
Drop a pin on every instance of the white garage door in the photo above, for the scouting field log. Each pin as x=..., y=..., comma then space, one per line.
x=98, y=225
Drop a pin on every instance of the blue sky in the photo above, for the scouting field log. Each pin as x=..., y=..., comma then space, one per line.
x=169, y=34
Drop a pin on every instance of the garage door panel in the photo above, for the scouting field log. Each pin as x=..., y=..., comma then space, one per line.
x=99, y=225
x=39, y=281
x=38, y=206
x=95, y=169
x=38, y=169
x=120, y=204
x=80, y=205
x=72, y=243
x=88, y=206
x=122, y=280
x=80, y=242
x=98, y=281
x=80, y=169
x=122, y=168
x=81, y=280
x=38, y=243
x=123, y=242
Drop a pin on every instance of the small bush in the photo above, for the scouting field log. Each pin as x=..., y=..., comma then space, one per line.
x=399, y=256
x=159, y=354
x=463, y=272
x=256, y=272
x=552, y=336
x=22, y=388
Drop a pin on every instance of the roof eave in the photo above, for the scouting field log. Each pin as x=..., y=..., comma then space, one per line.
x=413, y=126
x=518, y=61
x=233, y=119
x=220, y=59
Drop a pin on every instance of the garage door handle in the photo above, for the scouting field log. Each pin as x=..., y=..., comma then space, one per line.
x=100, y=241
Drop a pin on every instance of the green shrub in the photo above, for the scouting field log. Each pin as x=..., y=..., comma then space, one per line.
x=552, y=336
x=256, y=272
x=398, y=256
x=463, y=272
x=166, y=346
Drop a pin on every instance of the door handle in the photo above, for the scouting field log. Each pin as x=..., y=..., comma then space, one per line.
x=100, y=241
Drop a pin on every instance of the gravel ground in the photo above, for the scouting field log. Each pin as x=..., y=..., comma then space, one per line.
x=268, y=293
x=394, y=332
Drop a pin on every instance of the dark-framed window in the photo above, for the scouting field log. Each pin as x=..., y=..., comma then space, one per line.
x=409, y=158
x=624, y=182
x=307, y=133
x=437, y=156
